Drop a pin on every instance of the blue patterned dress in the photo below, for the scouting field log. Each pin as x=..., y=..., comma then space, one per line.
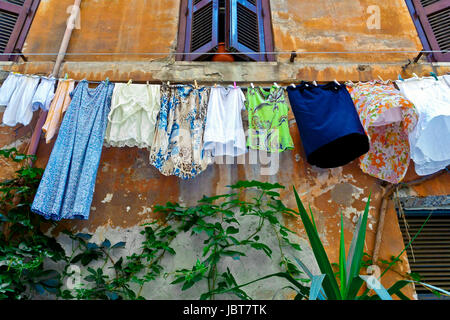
x=177, y=147
x=67, y=186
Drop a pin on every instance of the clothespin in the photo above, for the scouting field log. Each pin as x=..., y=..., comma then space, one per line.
x=215, y=85
x=195, y=84
x=252, y=85
x=434, y=75
x=415, y=76
x=235, y=84
x=66, y=76
x=380, y=78
x=148, y=83
x=168, y=83
x=315, y=83
x=276, y=84
x=293, y=85
x=107, y=80
x=400, y=78
x=129, y=82
x=337, y=82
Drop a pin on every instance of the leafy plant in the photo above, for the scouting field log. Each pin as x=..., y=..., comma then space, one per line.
x=350, y=281
x=23, y=246
x=217, y=218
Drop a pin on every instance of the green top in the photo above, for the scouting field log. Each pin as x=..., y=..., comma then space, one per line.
x=268, y=120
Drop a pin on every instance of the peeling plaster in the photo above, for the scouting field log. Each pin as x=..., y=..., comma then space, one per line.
x=107, y=198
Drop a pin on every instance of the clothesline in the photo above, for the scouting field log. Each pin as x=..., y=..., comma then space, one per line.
x=218, y=53
x=195, y=84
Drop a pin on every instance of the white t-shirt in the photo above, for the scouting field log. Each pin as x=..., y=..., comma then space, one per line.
x=224, y=133
x=429, y=141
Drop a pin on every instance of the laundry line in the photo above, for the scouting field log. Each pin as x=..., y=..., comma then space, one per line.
x=218, y=53
x=218, y=84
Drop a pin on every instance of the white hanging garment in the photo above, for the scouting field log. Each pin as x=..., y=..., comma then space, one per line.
x=447, y=79
x=44, y=94
x=19, y=109
x=8, y=87
x=224, y=133
x=429, y=141
x=132, y=119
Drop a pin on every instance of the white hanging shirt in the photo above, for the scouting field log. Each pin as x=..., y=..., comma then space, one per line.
x=8, y=87
x=447, y=79
x=429, y=141
x=19, y=109
x=224, y=133
x=44, y=94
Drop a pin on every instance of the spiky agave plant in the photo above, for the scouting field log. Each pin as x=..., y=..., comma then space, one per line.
x=326, y=287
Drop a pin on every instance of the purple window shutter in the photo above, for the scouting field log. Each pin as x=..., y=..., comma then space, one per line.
x=434, y=16
x=268, y=31
x=201, y=28
x=246, y=28
x=15, y=21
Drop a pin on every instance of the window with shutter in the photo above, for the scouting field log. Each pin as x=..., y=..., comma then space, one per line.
x=432, y=19
x=429, y=254
x=244, y=26
x=15, y=21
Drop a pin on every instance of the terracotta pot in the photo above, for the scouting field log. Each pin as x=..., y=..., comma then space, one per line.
x=224, y=56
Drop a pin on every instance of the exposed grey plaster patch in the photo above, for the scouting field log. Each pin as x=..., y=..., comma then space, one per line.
x=342, y=193
x=141, y=168
x=193, y=190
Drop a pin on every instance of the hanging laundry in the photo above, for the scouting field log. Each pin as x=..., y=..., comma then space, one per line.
x=8, y=88
x=132, y=119
x=67, y=186
x=58, y=106
x=447, y=79
x=429, y=141
x=44, y=94
x=224, y=133
x=19, y=109
x=329, y=125
x=177, y=147
x=388, y=117
x=268, y=120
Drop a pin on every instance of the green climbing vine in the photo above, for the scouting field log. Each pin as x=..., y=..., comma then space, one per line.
x=88, y=270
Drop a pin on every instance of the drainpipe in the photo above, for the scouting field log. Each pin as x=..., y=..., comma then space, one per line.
x=62, y=53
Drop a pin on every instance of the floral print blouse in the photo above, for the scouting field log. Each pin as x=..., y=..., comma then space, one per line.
x=387, y=117
x=268, y=120
x=177, y=147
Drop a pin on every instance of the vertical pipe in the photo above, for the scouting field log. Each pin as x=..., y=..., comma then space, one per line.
x=34, y=143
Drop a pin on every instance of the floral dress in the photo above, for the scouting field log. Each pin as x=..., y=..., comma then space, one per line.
x=177, y=147
x=268, y=120
x=387, y=117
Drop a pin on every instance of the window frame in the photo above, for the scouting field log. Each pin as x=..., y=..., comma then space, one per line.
x=26, y=14
x=264, y=10
x=419, y=15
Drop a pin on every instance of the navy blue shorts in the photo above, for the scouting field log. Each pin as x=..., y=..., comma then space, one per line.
x=329, y=125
